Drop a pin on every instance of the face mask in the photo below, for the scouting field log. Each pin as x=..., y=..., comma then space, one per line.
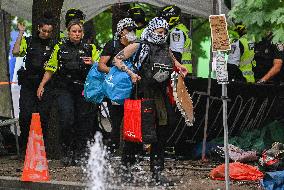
x=157, y=38
x=130, y=36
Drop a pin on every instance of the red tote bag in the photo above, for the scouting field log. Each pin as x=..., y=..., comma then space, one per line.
x=132, y=130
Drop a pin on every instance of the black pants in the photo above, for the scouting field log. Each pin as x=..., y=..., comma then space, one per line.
x=131, y=150
x=78, y=120
x=116, y=116
x=235, y=73
x=29, y=103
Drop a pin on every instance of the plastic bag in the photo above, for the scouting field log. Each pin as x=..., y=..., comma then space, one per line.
x=132, y=130
x=118, y=85
x=93, y=88
x=237, y=171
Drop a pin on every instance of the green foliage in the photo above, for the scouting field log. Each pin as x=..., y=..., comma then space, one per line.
x=260, y=17
x=103, y=27
x=201, y=32
x=150, y=10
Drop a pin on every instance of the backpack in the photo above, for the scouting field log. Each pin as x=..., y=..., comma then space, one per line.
x=158, y=66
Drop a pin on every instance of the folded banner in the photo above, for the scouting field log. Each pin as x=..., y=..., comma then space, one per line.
x=182, y=98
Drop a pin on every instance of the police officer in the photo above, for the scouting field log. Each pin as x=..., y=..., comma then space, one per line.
x=240, y=59
x=77, y=14
x=124, y=36
x=138, y=15
x=180, y=42
x=68, y=66
x=37, y=50
x=72, y=14
x=269, y=61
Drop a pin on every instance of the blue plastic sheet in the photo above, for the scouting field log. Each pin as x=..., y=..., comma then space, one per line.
x=273, y=180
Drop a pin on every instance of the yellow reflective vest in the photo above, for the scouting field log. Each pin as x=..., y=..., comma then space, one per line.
x=187, y=48
x=246, y=60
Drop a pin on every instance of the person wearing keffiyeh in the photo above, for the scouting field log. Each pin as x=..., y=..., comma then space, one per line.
x=154, y=37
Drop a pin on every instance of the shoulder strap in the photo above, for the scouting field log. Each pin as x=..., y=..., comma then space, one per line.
x=29, y=41
x=114, y=46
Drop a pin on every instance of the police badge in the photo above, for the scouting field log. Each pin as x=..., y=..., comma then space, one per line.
x=176, y=37
x=280, y=46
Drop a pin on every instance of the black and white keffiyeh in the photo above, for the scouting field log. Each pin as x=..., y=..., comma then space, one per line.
x=124, y=23
x=150, y=36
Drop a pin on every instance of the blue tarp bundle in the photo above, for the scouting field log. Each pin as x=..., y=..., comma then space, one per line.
x=273, y=180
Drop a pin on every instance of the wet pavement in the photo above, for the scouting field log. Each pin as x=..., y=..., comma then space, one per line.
x=185, y=175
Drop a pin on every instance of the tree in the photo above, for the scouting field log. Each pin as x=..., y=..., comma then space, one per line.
x=5, y=91
x=103, y=27
x=40, y=6
x=119, y=11
x=260, y=17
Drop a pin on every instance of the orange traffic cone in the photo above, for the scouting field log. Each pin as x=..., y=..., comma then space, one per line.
x=35, y=166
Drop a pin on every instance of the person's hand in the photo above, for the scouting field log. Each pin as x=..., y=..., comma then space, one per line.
x=40, y=91
x=21, y=27
x=261, y=81
x=135, y=77
x=87, y=60
x=183, y=70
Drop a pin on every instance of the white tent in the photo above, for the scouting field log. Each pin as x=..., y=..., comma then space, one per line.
x=23, y=8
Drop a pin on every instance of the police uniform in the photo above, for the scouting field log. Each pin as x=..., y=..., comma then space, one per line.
x=240, y=60
x=78, y=118
x=181, y=45
x=138, y=32
x=36, y=51
x=265, y=53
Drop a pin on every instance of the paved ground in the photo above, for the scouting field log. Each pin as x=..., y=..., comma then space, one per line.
x=187, y=175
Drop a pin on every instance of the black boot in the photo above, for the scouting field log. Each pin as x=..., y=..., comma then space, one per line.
x=160, y=179
x=126, y=175
x=67, y=156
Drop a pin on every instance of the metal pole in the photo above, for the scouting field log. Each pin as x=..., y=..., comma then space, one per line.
x=208, y=93
x=225, y=123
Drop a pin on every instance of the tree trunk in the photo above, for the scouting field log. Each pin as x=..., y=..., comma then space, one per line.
x=6, y=105
x=41, y=6
x=119, y=11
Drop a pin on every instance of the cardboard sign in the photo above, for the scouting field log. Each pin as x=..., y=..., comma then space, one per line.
x=221, y=68
x=219, y=33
